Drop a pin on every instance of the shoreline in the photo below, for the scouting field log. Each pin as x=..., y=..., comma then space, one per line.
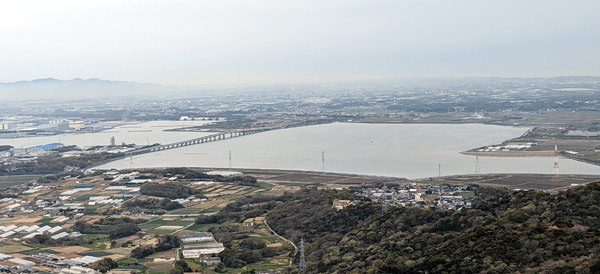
x=509, y=153
x=513, y=181
x=305, y=176
x=573, y=157
x=541, y=153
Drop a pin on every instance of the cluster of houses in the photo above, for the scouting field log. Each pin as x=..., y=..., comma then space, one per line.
x=19, y=155
x=441, y=196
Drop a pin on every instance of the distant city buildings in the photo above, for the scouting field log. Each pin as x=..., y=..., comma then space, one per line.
x=20, y=126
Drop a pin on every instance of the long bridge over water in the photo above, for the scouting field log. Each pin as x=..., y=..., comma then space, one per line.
x=199, y=140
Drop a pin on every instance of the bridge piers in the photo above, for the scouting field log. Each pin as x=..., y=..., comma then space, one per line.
x=200, y=140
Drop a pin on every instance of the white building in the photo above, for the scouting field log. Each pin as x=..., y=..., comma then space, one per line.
x=198, y=237
x=78, y=270
x=225, y=173
x=195, y=251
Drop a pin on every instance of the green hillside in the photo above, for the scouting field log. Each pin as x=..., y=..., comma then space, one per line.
x=525, y=231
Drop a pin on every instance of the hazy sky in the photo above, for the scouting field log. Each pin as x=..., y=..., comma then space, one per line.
x=228, y=43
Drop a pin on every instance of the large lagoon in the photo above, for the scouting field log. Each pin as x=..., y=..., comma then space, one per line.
x=402, y=150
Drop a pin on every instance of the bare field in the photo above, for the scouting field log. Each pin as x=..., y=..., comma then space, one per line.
x=159, y=267
x=8, y=249
x=71, y=249
x=11, y=180
x=570, y=144
x=311, y=177
x=211, y=203
x=27, y=220
x=512, y=181
x=121, y=251
x=525, y=181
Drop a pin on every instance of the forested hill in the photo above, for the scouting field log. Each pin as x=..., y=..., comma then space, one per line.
x=524, y=231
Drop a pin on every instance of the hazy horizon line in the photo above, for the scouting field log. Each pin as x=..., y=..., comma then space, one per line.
x=344, y=80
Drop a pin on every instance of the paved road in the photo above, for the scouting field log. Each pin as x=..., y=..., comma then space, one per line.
x=285, y=240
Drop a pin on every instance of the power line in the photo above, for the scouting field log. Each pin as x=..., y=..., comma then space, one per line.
x=384, y=207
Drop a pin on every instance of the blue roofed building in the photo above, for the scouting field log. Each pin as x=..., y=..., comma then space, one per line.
x=49, y=146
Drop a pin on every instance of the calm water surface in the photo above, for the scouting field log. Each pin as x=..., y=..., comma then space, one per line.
x=403, y=150
x=138, y=133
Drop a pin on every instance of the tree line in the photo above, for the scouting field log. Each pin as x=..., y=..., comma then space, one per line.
x=523, y=231
x=114, y=227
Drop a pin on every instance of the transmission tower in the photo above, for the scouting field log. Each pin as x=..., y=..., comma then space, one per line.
x=302, y=266
x=384, y=207
x=323, y=160
x=555, y=173
x=477, y=170
x=384, y=204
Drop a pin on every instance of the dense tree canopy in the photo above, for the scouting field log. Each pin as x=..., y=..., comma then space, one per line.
x=152, y=204
x=114, y=227
x=167, y=190
x=523, y=231
x=104, y=265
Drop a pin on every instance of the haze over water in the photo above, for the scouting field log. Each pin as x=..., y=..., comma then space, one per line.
x=129, y=133
x=403, y=150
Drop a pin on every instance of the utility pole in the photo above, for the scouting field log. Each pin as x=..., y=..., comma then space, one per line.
x=323, y=160
x=384, y=205
x=477, y=170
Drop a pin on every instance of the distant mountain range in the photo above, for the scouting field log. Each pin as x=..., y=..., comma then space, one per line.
x=98, y=89
x=77, y=89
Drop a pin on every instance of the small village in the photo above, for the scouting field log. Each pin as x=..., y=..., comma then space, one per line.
x=421, y=195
